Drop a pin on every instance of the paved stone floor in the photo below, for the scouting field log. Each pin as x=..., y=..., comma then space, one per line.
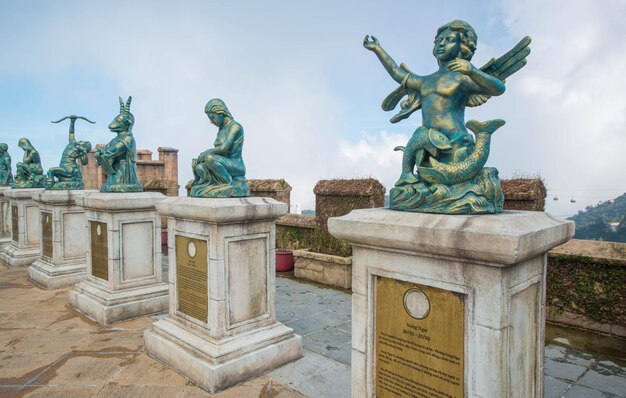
x=48, y=350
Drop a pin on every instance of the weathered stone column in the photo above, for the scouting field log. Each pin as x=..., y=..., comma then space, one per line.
x=448, y=306
x=23, y=248
x=222, y=326
x=62, y=260
x=124, y=270
x=5, y=218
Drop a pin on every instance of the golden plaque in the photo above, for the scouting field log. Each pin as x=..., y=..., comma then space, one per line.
x=191, y=277
x=419, y=332
x=46, y=234
x=15, y=229
x=99, y=250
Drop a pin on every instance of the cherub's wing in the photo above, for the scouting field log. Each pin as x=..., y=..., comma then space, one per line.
x=408, y=106
x=503, y=67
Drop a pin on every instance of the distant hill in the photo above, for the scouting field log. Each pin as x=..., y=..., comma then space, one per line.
x=604, y=221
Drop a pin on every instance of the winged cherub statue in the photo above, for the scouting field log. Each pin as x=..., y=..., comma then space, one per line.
x=442, y=164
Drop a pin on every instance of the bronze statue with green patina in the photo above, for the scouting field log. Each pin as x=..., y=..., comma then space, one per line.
x=219, y=172
x=69, y=174
x=29, y=173
x=443, y=165
x=6, y=176
x=118, y=158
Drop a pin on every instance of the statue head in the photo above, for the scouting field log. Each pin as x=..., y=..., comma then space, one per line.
x=217, y=111
x=455, y=39
x=25, y=144
x=3, y=147
x=125, y=120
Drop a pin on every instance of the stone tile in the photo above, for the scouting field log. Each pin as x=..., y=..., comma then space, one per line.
x=146, y=371
x=305, y=326
x=60, y=391
x=19, y=368
x=327, y=384
x=297, y=373
x=112, y=340
x=30, y=320
x=259, y=387
x=54, y=341
x=9, y=338
x=555, y=352
x=563, y=370
x=113, y=390
x=20, y=300
x=554, y=388
x=346, y=326
x=84, y=369
x=584, y=392
x=341, y=354
x=329, y=338
x=140, y=323
x=606, y=377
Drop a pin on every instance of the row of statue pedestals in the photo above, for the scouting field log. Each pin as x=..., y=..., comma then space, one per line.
x=454, y=293
x=221, y=328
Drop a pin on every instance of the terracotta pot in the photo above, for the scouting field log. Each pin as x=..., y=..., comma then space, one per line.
x=284, y=260
x=164, y=237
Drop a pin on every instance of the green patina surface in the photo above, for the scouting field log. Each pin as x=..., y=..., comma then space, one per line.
x=443, y=165
x=68, y=175
x=587, y=286
x=29, y=173
x=6, y=176
x=219, y=172
x=118, y=158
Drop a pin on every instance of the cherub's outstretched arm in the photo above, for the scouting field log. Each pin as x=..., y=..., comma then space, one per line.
x=390, y=65
x=483, y=82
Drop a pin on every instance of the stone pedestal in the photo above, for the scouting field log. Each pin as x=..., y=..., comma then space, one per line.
x=222, y=327
x=448, y=305
x=23, y=248
x=5, y=218
x=124, y=274
x=62, y=259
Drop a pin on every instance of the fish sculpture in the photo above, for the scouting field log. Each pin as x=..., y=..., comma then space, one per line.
x=455, y=173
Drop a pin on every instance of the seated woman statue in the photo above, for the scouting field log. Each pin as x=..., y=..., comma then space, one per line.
x=219, y=172
x=6, y=177
x=69, y=174
x=29, y=172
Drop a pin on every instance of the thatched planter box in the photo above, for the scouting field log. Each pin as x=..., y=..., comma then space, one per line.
x=323, y=268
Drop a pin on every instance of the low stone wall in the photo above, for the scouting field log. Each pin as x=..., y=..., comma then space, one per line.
x=323, y=268
x=586, y=286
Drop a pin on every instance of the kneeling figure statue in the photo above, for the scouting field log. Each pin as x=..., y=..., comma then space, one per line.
x=69, y=174
x=29, y=172
x=219, y=172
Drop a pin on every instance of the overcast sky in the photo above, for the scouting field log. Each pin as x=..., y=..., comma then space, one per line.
x=296, y=76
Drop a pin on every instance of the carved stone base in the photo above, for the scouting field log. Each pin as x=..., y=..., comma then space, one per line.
x=23, y=248
x=106, y=307
x=50, y=276
x=215, y=364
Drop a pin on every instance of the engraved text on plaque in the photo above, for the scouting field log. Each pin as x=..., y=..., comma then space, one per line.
x=46, y=234
x=15, y=229
x=419, y=341
x=191, y=277
x=99, y=250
